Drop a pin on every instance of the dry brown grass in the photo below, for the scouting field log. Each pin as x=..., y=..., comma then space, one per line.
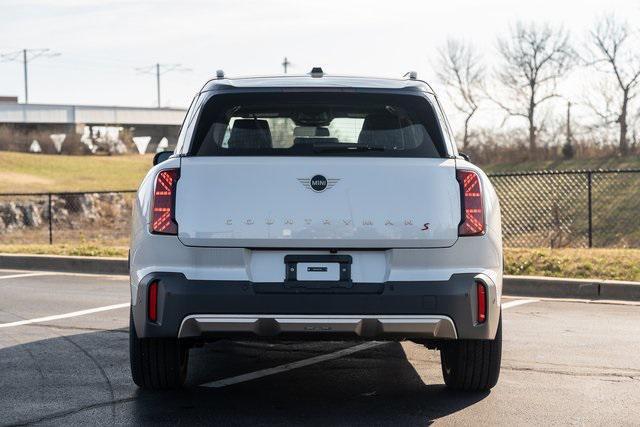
x=612, y=264
x=30, y=173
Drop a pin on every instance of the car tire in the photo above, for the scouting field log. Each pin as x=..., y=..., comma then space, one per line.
x=157, y=363
x=472, y=365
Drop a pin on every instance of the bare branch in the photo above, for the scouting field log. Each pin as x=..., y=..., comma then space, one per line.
x=601, y=99
x=508, y=110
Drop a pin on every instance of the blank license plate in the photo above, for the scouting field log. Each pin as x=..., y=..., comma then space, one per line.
x=323, y=271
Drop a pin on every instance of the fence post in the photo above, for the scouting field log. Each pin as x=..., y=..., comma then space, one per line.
x=50, y=222
x=589, y=174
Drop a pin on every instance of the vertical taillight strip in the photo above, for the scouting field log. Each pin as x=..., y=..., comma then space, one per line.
x=481, y=295
x=472, y=223
x=164, y=202
x=152, y=306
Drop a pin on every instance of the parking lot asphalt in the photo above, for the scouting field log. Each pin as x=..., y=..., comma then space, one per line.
x=64, y=360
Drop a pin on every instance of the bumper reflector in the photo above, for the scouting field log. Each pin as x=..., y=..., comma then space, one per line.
x=482, y=302
x=153, y=301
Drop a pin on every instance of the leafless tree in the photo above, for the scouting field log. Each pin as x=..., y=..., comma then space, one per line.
x=461, y=70
x=534, y=59
x=612, y=51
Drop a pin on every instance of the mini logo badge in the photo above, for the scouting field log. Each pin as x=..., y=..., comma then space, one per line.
x=318, y=183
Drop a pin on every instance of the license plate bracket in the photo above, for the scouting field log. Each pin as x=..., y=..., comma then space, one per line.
x=293, y=262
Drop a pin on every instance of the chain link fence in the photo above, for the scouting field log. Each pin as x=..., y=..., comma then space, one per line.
x=539, y=209
x=101, y=218
x=579, y=209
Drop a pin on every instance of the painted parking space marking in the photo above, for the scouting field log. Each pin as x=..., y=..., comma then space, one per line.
x=16, y=276
x=517, y=303
x=64, y=316
x=294, y=365
x=322, y=358
x=59, y=273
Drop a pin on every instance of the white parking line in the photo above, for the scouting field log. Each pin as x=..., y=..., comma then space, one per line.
x=64, y=273
x=64, y=316
x=516, y=303
x=15, y=276
x=289, y=366
x=322, y=358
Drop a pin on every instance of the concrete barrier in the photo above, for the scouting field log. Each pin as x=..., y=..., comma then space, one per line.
x=526, y=286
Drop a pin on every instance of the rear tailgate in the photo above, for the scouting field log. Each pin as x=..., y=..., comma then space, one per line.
x=268, y=202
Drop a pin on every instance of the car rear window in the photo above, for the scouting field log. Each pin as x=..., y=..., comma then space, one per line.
x=316, y=124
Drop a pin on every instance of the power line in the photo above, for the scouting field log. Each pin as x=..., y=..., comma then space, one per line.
x=160, y=69
x=27, y=55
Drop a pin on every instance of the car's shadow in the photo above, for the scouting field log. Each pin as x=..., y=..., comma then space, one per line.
x=84, y=379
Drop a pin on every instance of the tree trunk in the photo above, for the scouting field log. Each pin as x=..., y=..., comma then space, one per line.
x=532, y=126
x=465, y=138
x=532, y=138
x=622, y=120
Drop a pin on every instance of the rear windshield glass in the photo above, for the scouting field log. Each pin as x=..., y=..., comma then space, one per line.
x=305, y=124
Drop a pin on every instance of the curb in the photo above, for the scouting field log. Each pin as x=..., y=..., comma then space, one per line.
x=555, y=287
x=526, y=286
x=68, y=264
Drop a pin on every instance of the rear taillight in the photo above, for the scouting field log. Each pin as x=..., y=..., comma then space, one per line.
x=481, y=294
x=153, y=301
x=472, y=223
x=164, y=202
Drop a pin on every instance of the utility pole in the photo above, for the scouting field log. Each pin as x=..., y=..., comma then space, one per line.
x=159, y=69
x=285, y=64
x=568, y=122
x=26, y=55
x=26, y=76
x=158, y=83
x=568, y=150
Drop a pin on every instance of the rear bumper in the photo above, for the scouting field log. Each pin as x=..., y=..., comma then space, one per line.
x=240, y=309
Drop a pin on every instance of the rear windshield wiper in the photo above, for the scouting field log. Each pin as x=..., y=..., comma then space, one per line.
x=324, y=147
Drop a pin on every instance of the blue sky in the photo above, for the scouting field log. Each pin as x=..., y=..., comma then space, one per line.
x=102, y=42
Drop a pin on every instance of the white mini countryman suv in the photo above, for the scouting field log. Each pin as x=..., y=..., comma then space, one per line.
x=316, y=207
